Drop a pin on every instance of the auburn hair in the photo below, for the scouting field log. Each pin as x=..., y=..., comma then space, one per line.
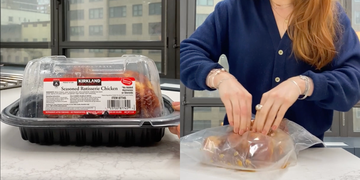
x=314, y=30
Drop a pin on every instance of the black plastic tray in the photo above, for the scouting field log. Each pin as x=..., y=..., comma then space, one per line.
x=93, y=132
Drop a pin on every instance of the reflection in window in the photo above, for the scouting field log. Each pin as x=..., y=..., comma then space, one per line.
x=117, y=29
x=205, y=2
x=155, y=28
x=119, y=11
x=96, y=13
x=137, y=10
x=76, y=14
x=77, y=31
x=137, y=28
x=95, y=30
x=155, y=8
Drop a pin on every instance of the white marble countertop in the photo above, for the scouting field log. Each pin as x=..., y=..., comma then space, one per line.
x=313, y=164
x=24, y=160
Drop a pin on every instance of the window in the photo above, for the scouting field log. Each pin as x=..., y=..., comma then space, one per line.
x=120, y=25
x=77, y=31
x=77, y=50
x=76, y=14
x=26, y=59
x=95, y=30
x=205, y=2
x=118, y=29
x=357, y=17
x=95, y=50
x=17, y=59
x=155, y=9
x=119, y=11
x=137, y=29
x=34, y=40
x=122, y=51
x=10, y=19
x=200, y=18
x=154, y=28
x=137, y=10
x=76, y=1
x=34, y=25
x=135, y=51
x=96, y=13
x=94, y=0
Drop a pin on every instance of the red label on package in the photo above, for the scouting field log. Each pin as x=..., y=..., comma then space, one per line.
x=113, y=96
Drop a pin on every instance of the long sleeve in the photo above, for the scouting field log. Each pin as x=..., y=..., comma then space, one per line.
x=199, y=53
x=338, y=88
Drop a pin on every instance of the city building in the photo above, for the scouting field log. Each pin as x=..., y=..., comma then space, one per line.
x=112, y=20
x=22, y=5
x=43, y=6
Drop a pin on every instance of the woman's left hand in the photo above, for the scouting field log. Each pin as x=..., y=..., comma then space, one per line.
x=275, y=103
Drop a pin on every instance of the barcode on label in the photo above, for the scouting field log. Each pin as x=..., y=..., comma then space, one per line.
x=119, y=104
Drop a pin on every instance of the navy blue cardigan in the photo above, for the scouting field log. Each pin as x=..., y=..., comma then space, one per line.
x=246, y=32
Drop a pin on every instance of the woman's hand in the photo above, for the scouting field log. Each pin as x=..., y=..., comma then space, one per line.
x=237, y=101
x=276, y=102
x=176, y=129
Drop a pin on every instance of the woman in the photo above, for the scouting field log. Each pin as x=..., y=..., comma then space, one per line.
x=294, y=59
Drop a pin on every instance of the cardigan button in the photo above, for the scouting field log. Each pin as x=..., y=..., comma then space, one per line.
x=277, y=79
x=281, y=52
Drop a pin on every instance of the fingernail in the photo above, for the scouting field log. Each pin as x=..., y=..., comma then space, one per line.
x=264, y=132
x=241, y=132
x=248, y=128
x=273, y=127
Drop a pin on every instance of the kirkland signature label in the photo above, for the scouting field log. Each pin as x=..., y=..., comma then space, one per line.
x=89, y=95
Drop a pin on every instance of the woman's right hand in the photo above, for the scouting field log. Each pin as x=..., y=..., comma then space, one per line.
x=237, y=101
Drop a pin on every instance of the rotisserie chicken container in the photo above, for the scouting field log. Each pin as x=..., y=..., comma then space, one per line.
x=94, y=101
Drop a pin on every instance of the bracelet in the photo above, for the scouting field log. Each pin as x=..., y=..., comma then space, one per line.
x=306, y=79
x=297, y=86
x=221, y=81
x=212, y=75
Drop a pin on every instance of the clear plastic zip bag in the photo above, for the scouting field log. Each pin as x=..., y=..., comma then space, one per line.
x=219, y=146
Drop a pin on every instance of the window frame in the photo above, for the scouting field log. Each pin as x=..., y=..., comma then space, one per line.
x=59, y=45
